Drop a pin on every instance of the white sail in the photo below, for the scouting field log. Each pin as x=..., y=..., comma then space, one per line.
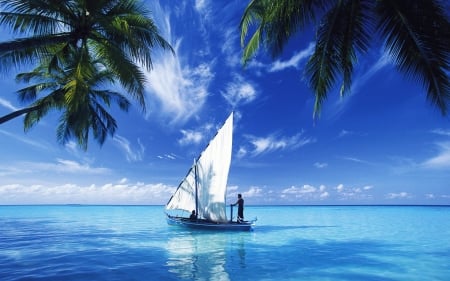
x=211, y=172
x=184, y=196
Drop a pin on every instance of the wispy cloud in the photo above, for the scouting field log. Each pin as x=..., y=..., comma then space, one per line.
x=25, y=139
x=359, y=80
x=180, y=91
x=176, y=87
x=381, y=63
x=190, y=136
x=260, y=145
x=239, y=92
x=356, y=160
x=441, y=160
x=132, y=154
x=69, y=166
x=195, y=136
x=7, y=104
x=353, y=193
x=305, y=192
x=320, y=165
x=60, y=166
x=200, y=5
x=399, y=195
x=121, y=192
x=294, y=61
x=345, y=133
x=169, y=156
x=229, y=49
x=442, y=132
x=252, y=192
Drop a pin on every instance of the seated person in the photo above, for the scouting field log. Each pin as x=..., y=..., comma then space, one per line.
x=193, y=216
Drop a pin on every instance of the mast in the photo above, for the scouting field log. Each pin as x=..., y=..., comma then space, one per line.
x=196, y=188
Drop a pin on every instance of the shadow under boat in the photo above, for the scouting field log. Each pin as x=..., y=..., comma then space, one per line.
x=209, y=225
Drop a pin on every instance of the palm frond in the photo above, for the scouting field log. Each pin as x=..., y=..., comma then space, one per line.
x=42, y=107
x=79, y=47
x=128, y=74
x=252, y=15
x=24, y=51
x=276, y=22
x=343, y=32
x=418, y=39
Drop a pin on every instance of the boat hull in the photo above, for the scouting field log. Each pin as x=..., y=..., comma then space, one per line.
x=208, y=225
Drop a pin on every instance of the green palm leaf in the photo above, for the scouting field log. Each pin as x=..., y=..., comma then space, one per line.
x=78, y=46
x=344, y=31
x=416, y=34
x=418, y=39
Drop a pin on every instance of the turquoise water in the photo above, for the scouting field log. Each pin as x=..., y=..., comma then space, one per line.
x=288, y=243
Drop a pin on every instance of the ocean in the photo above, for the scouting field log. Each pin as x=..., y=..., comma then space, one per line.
x=288, y=243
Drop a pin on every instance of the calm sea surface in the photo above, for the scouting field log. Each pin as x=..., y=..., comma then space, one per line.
x=288, y=243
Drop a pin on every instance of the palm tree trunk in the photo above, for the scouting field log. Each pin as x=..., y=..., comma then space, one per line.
x=17, y=113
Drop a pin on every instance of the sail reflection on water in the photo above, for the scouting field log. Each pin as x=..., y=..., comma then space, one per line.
x=206, y=256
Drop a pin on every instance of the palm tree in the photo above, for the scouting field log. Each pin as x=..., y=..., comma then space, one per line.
x=416, y=34
x=80, y=37
x=78, y=95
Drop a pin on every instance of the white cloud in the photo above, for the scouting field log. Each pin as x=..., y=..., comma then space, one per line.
x=169, y=156
x=241, y=152
x=400, y=195
x=68, y=166
x=353, y=193
x=382, y=62
x=200, y=4
x=272, y=143
x=110, y=193
x=430, y=196
x=72, y=147
x=131, y=154
x=357, y=160
x=196, y=136
x=442, y=132
x=7, y=104
x=440, y=161
x=299, y=190
x=177, y=89
x=343, y=133
x=190, y=136
x=294, y=61
x=25, y=139
x=324, y=195
x=253, y=192
x=307, y=192
x=60, y=166
x=232, y=188
x=304, y=193
x=239, y=92
x=228, y=48
x=320, y=165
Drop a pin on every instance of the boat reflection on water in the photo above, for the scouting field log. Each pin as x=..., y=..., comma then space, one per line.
x=206, y=255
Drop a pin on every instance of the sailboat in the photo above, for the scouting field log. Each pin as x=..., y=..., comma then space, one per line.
x=204, y=188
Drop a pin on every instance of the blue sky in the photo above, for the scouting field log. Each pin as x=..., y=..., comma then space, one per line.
x=381, y=144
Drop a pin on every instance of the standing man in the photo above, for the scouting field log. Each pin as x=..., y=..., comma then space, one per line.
x=240, y=203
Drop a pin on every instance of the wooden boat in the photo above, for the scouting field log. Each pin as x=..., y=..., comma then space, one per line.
x=204, y=188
